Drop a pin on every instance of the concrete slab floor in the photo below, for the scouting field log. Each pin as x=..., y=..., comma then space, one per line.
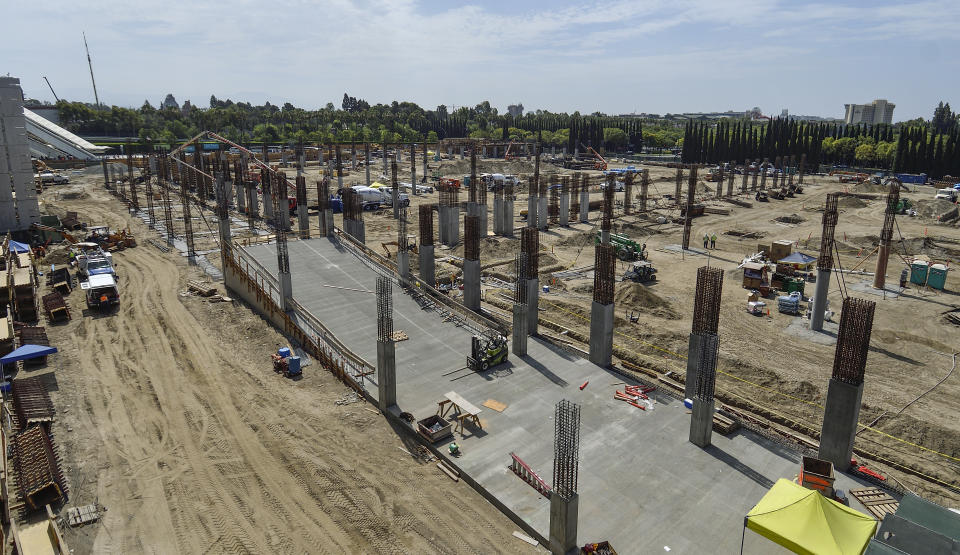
x=642, y=484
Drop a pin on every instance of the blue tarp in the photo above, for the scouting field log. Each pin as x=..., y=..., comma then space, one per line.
x=27, y=352
x=798, y=258
x=17, y=246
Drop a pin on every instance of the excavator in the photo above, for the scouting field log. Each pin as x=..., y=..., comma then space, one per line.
x=411, y=246
x=68, y=237
x=506, y=155
x=601, y=163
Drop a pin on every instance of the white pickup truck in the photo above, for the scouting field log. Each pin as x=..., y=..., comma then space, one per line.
x=947, y=194
x=101, y=291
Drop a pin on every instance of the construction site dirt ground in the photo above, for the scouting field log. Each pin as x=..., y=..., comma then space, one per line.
x=771, y=365
x=170, y=417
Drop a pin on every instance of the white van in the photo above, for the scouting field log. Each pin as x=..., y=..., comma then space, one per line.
x=947, y=194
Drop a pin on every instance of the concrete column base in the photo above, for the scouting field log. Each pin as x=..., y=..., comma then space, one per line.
x=605, y=236
x=519, y=330
x=584, y=206
x=601, y=334
x=386, y=375
x=403, y=266
x=507, y=218
x=693, y=359
x=542, y=216
x=533, y=204
x=484, y=224
x=533, y=306
x=286, y=290
x=819, y=305
x=497, y=216
x=565, y=210
x=471, y=284
x=701, y=423
x=563, y=524
x=442, y=224
x=326, y=222
x=840, y=423
x=427, y=265
x=303, y=222
x=453, y=226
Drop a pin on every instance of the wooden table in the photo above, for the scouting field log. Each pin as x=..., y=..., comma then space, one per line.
x=462, y=410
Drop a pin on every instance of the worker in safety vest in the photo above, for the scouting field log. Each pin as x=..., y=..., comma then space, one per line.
x=713, y=240
x=706, y=240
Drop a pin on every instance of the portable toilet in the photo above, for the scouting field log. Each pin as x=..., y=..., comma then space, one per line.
x=918, y=272
x=937, y=276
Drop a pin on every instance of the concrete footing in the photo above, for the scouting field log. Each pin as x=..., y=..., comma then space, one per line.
x=519, y=330
x=819, y=305
x=601, y=334
x=840, y=423
x=533, y=306
x=533, y=204
x=584, y=206
x=498, y=216
x=471, y=284
x=484, y=224
x=386, y=375
x=507, y=219
x=453, y=226
x=543, y=220
x=442, y=227
x=563, y=524
x=427, y=265
x=326, y=222
x=701, y=422
x=565, y=210
x=286, y=289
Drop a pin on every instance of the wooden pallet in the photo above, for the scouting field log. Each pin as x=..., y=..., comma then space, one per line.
x=200, y=288
x=876, y=501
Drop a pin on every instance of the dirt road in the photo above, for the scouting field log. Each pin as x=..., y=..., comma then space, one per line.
x=171, y=418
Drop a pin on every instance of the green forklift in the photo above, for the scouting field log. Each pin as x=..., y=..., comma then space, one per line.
x=626, y=249
x=487, y=350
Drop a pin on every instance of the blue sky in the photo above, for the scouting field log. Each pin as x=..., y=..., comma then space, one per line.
x=613, y=56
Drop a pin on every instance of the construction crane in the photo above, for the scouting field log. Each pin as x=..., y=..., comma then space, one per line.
x=601, y=163
x=96, y=98
x=57, y=98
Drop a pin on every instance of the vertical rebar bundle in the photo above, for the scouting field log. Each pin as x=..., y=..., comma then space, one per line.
x=791, y=170
x=553, y=208
x=521, y=265
x=830, y=216
x=644, y=189
x=575, y=197
x=323, y=196
x=730, y=179
x=426, y=224
x=472, y=186
x=678, y=188
x=604, y=274
x=148, y=189
x=471, y=237
x=165, y=195
x=691, y=196
x=339, y=156
x=535, y=182
x=302, y=202
x=763, y=173
x=281, y=216
x=187, y=222
x=384, y=309
x=756, y=172
x=566, y=449
x=706, y=305
x=395, y=185
x=628, y=193
x=708, y=349
x=402, y=244
x=220, y=192
x=607, y=222
x=720, y=179
x=283, y=256
x=746, y=176
x=886, y=233
x=530, y=247
x=853, y=340
x=134, y=201
x=803, y=167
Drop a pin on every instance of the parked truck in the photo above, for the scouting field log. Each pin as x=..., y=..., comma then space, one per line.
x=101, y=291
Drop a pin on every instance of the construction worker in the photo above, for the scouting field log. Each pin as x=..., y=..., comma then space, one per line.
x=903, y=278
x=706, y=240
x=713, y=240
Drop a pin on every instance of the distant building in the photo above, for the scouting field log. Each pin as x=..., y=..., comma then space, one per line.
x=515, y=110
x=878, y=111
x=169, y=102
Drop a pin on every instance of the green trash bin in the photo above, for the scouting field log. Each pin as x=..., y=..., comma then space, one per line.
x=937, y=276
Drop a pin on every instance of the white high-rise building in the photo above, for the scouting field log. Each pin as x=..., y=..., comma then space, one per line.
x=878, y=111
x=18, y=194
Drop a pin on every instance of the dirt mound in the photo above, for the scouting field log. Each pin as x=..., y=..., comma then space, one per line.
x=636, y=296
x=933, y=208
x=791, y=219
x=744, y=234
x=851, y=202
x=867, y=187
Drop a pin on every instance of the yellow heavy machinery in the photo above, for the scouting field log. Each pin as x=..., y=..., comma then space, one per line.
x=411, y=246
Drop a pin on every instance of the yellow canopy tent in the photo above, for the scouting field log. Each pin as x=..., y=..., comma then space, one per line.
x=804, y=521
x=377, y=185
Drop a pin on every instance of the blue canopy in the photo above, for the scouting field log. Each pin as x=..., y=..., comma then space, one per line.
x=27, y=352
x=17, y=246
x=798, y=258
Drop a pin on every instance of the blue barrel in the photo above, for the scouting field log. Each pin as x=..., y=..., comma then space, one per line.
x=293, y=365
x=284, y=352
